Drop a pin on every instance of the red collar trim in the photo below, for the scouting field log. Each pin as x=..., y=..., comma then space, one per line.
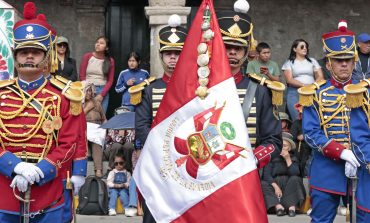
x=166, y=78
x=238, y=77
x=338, y=84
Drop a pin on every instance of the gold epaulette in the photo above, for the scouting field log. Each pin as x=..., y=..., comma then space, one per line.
x=277, y=88
x=307, y=93
x=5, y=83
x=355, y=93
x=72, y=91
x=135, y=91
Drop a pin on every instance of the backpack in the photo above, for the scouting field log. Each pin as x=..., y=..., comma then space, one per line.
x=93, y=197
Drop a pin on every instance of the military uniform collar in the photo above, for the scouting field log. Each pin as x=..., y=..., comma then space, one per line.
x=238, y=77
x=339, y=85
x=166, y=78
x=27, y=86
x=48, y=76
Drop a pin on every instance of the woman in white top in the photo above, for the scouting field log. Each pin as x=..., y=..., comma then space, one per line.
x=299, y=70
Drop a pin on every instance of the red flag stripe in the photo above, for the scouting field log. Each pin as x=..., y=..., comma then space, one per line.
x=247, y=205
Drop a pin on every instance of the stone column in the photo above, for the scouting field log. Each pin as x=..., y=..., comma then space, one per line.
x=158, y=13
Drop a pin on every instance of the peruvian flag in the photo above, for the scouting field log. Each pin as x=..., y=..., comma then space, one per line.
x=197, y=164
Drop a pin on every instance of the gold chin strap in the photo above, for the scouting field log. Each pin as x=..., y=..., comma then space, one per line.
x=334, y=75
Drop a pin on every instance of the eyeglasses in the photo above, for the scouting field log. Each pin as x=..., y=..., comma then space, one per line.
x=62, y=45
x=118, y=163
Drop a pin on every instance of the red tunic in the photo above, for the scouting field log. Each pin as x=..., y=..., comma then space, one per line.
x=55, y=155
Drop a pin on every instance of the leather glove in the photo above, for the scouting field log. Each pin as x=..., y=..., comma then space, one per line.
x=77, y=182
x=348, y=156
x=20, y=182
x=350, y=170
x=29, y=171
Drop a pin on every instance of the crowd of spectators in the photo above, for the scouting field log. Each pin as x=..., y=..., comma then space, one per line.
x=281, y=179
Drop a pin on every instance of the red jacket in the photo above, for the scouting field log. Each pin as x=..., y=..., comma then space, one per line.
x=56, y=152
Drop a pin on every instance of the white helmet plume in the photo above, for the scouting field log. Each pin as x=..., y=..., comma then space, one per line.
x=241, y=6
x=174, y=20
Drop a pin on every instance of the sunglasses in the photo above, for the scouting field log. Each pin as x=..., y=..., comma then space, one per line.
x=118, y=163
x=62, y=45
x=303, y=46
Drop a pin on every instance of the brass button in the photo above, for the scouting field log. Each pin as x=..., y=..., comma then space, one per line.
x=24, y=126
x=24, y=146
x=51, y=171
x=10, y=163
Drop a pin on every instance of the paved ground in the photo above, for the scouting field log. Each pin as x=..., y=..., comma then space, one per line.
x=123, y=219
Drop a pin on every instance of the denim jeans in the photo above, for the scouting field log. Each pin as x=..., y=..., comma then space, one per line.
x=292, y=98
x=132, y=194
x=114, y=193
x=105, y=101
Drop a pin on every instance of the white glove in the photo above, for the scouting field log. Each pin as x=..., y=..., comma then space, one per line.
x=350, y=170
x=29, y=171
x=348, y=156
x=20, y=182
x=77, y=182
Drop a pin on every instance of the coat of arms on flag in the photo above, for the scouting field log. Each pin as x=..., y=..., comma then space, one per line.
x=196, y=164
x=212, y=142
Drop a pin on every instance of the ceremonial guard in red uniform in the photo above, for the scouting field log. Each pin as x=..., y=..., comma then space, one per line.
x=358, y=99
x=36, y=137
x=171, y=39
x=326, y=126
x=258, y=96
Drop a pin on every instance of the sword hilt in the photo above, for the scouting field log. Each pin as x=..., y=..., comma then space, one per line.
x=68, y=182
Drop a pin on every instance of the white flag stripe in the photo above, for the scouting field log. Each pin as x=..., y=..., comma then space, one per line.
x=175, y=191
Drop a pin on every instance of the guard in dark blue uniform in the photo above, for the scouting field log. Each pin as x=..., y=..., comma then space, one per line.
x=171, y=39
x=258, y=96
x=358, y=99
x=326, y=125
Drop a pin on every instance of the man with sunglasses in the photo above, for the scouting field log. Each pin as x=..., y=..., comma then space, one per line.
x=326, y=126
x=260, y=113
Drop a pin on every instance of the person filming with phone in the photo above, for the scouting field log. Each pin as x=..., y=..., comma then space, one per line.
x=263, y=66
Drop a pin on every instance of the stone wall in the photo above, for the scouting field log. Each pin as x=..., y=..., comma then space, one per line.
x=277, y=22
x=81, y=21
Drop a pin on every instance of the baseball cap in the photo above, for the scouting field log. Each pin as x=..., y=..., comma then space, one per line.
x=363, y=37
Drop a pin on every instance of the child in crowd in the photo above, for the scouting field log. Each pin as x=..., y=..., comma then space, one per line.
x=118, y=182
x=130, y=77
x=285, y=122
